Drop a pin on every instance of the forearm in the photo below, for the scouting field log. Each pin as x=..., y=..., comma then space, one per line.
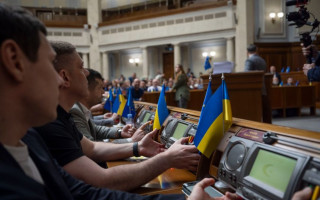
x=108, y=151
x=141, y=173
x=104, y=132
x=98, y=117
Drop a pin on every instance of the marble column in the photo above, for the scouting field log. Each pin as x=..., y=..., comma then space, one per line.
x=177, y=54
x=230, y=49
x=145, y=64
x=105, y=71
x=94, y=18
x=85, y=60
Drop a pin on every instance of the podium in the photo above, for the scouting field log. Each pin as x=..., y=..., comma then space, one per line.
x=245, y=92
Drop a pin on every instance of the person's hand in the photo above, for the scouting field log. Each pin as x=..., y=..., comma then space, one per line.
x=307, y=67
x=306, y=50
x=304, y=194
x=199, y=193
x=108, y=115
x=140, y=133
x=148, y=147
x=183, y=156
x=127, y=131
x=113, y=116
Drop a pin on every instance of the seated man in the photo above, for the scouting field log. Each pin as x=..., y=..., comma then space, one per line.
x=83, y=118
x=137, y=92
x=29, y=87
x=290, y=81
x=155, y=86
x=72, y=150
x=273, y=71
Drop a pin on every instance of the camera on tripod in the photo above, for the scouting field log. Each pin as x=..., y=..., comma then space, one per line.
x=300, y=18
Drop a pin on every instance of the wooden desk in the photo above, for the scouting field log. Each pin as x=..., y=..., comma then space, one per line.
x=293, y=97
x=169, y=182
x=245, y=92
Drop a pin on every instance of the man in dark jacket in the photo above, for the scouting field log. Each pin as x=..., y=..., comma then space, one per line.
x=29, y=87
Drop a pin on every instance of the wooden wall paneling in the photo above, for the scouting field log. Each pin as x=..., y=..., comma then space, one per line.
x=282, y=55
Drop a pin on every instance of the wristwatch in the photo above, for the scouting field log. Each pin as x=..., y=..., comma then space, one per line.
x=119, y=131
x=135, y=149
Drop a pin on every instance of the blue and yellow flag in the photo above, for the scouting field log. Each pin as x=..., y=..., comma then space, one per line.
x=116, y=102
x=216, y=117
x=123, y=103
x=129, y=107
x=109, y=102
x=207, y=64
x=226, y=107
x=206, y=98
x=162, y=111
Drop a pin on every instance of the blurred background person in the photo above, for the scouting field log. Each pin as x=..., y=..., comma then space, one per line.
x=182, y=95
x=254, y=61
x=273, y=71
x=137, y=92
x=155, y=86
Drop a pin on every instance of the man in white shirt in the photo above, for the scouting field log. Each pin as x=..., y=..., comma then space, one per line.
x=155, y=86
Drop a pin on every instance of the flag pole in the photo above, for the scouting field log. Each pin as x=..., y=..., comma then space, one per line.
x=223, y=109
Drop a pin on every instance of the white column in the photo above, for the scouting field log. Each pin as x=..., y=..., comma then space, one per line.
x=177, y=54
x=85, y=60
x=105, y=65
x=244, y=32
x=94, y=18
x=230, y=50
x=145, y=64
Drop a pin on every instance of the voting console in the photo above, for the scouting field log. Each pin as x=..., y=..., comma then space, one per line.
x=245, y=161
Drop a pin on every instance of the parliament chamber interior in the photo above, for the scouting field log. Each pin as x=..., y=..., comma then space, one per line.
x=254, y=158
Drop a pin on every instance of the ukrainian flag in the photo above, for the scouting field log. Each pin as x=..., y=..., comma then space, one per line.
x=206, y=98
x=108, y=104
x=226, y=107
x=123, y=103
x=129, y=107
x=162, y=110
x=116, y=103
x=215, y=118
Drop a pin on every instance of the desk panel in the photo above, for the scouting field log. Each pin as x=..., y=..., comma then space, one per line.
x=169, y=182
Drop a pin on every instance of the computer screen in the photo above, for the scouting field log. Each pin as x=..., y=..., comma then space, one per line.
x=273, y=169
x=146, y=117
x=179, y=131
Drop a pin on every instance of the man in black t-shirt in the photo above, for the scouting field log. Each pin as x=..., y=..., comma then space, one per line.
x=72, y=150
x=29, y=87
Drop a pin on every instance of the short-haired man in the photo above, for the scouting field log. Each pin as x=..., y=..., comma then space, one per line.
x=72, y=150
x=137, y=92
x=29, y=86
x=254, y=61
x=83, y=117
x=155, y=86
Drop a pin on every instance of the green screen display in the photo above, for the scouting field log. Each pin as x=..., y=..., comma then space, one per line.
x=146, y=117
x=273, y=169
x=179, y=131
